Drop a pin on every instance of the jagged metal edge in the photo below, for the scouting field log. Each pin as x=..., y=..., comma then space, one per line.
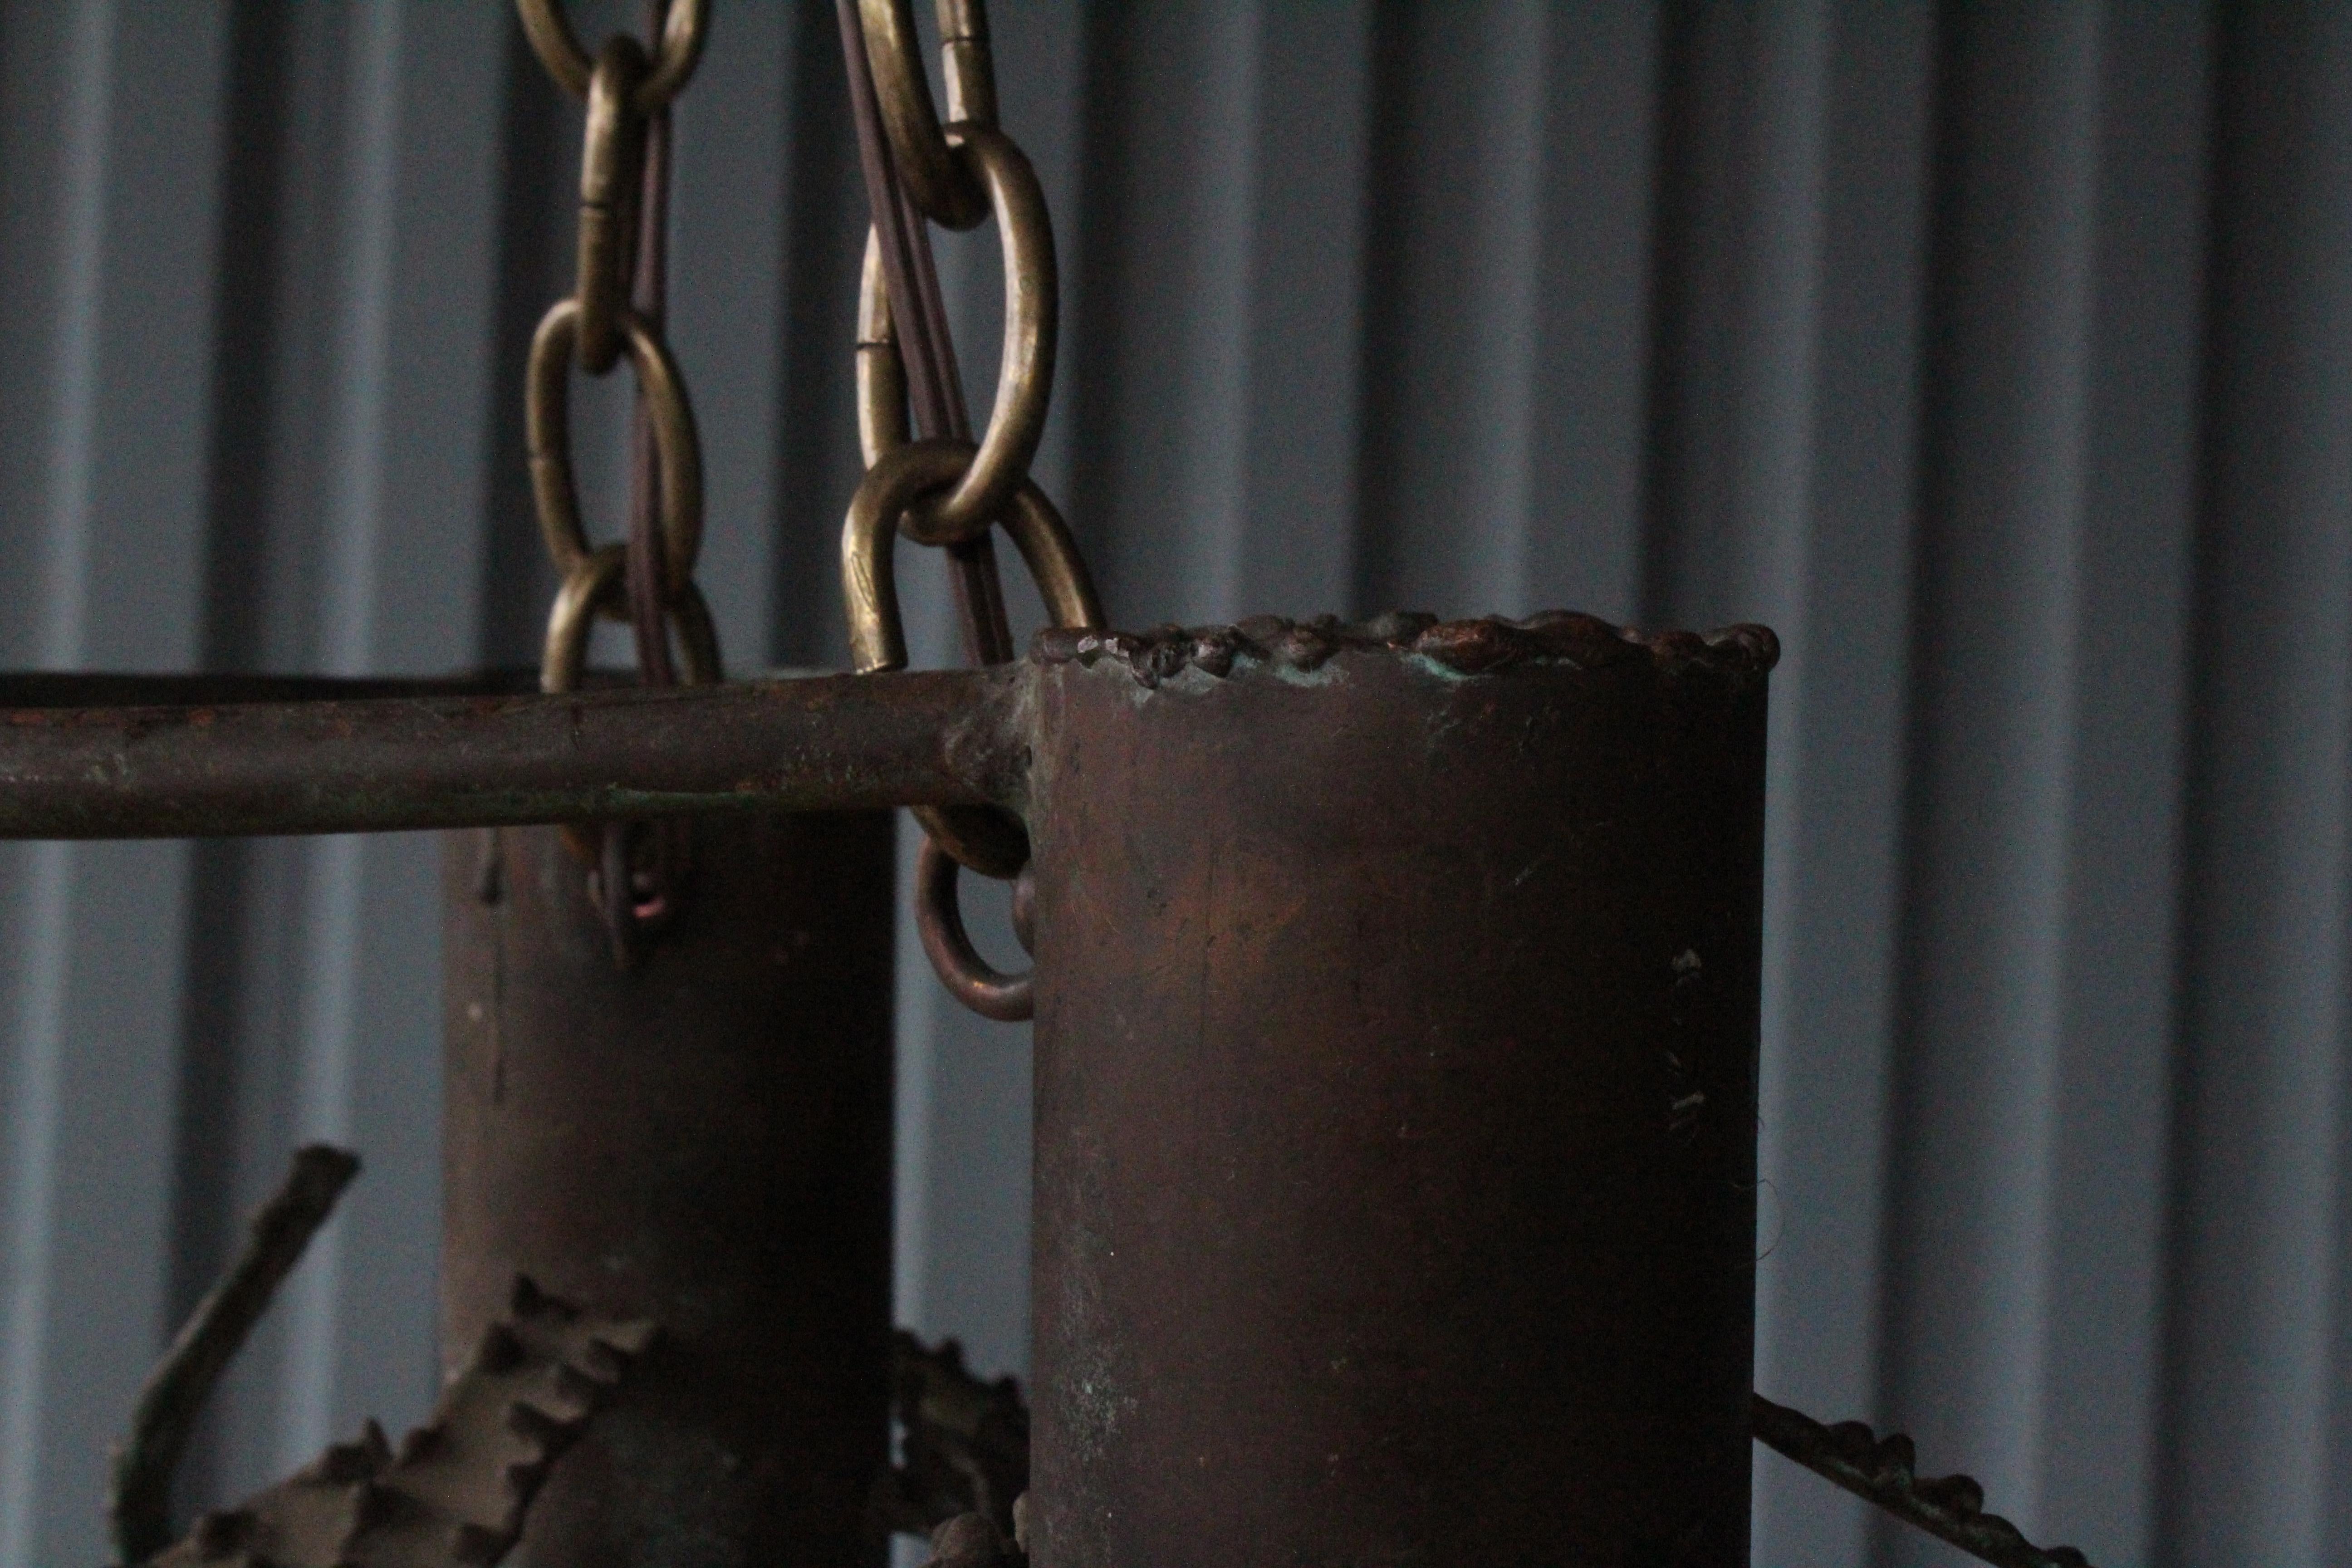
x=947, y=1416
x=1466, y=647
x=593, y=1356
x=532, y=1386
x=1883, y=1470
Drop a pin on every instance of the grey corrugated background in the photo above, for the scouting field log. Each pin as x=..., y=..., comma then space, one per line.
x=2001, y=356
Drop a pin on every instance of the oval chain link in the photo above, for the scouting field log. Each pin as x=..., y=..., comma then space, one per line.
x=547, y=438
x=1024, y=384
x=946, y=492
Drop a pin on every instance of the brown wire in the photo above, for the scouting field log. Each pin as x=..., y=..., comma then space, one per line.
x=649, y=297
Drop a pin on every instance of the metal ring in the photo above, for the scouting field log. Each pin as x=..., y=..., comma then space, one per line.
x=944, y=190
x=595, y=589
x=969, y=978
x=547, y=409
x=1024, y=383
x=683, y=29
x=983, y=838
x=877, y=637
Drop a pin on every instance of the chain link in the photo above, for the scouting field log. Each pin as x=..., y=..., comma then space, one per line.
x=614, y=313
x=947, y=489
x=1024, y=384
x=683, y=28
x=878, y=640
x=547, y=437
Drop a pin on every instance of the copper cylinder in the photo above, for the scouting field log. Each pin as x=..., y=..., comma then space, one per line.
x=704, y=1142
x=1396, y=1033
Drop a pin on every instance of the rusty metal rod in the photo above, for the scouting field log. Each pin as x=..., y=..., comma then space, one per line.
x=809, y=744
x=138, y=1503
x=84, y=689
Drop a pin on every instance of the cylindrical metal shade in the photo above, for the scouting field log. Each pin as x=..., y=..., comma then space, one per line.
x=1396, y=1049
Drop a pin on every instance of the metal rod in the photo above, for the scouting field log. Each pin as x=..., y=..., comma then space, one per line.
x=78, y=688
x=139, y=1502
x=810, y=743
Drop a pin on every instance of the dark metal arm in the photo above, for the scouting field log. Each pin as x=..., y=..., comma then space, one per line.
x=378, y=763
x=139, y=1504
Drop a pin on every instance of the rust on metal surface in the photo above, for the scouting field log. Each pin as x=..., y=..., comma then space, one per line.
x=1386, y=969
x=705, y=1142
x=1396, y=1004
x=164, y=757
x=100, y=691
x=458, y=1488
x=1477, y=647
x=180, y=769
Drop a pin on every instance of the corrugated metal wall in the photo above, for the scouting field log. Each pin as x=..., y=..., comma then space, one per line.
x=2000, y=356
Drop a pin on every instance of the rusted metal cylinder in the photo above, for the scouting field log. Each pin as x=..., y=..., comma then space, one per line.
x=1397, y=998
x=704, y=1142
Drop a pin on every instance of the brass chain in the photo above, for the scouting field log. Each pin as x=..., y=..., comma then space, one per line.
x=615, y=311
x=947, y=489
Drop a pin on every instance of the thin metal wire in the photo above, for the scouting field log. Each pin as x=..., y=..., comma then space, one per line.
x=649, y=297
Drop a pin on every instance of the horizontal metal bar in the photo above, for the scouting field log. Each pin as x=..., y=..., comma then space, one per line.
x=84, y=689
x=379, y=764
